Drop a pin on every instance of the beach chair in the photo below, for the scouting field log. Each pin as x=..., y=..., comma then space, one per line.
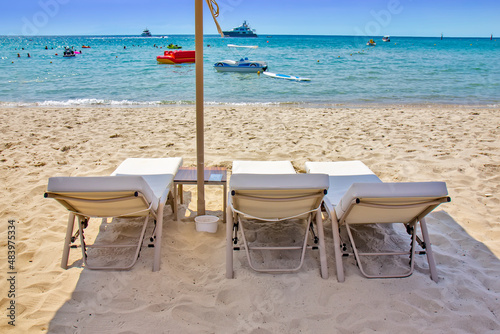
x=357, y=196
x=274, y=193
x=139, y=187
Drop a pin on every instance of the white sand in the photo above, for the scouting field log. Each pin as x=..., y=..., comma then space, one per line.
x=459, y=145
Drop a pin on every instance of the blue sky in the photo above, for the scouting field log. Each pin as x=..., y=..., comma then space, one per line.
x=453, y=18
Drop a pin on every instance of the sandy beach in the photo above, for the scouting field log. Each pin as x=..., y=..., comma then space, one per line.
x=190, y=294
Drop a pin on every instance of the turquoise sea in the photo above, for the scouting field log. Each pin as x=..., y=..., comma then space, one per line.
x=122, y=70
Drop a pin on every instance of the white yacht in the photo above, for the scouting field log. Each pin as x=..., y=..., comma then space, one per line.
x=241, y=31
x=146, y=33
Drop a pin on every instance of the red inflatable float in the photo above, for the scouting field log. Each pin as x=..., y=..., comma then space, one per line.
x=176, y=57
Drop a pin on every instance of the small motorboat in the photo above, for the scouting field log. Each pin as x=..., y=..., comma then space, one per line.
x=177, y=57
x=371, y=42
x=386, y=39
x=243, y=65
x=174, y=46
x=69, y=53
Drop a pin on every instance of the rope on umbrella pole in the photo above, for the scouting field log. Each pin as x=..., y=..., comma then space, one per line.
x=215, y=14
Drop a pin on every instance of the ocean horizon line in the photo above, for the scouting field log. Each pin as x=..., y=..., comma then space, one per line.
x=259, y=35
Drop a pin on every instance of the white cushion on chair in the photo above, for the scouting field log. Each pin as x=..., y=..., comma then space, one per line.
x=148, y=166
x=342, y=175
x=262, y=167
x=157, y=172
x=338, y=168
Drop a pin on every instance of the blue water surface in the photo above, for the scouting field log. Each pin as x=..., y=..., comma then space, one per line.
x=123, y=70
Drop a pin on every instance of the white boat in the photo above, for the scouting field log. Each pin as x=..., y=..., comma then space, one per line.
x=386, y=38
x=241, y=31
x=244, y=64
x=146, y=33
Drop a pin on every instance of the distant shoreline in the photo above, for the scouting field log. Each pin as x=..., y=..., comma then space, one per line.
x=278, y=105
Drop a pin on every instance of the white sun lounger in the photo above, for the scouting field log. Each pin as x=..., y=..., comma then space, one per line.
x=271, y=191
x=139, y=187
x=357, y=196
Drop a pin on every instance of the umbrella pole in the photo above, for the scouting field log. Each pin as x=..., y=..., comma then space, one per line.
x=200, y=142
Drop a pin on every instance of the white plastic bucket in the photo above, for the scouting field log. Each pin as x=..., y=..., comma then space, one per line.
x=206, y=223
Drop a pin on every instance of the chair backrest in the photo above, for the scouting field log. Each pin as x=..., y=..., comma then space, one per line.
x=103, y=196
x=276, y=197
x=367, y=203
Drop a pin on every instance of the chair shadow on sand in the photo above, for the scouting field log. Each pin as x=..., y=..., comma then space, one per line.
x=121, y=301
x=116, y=232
